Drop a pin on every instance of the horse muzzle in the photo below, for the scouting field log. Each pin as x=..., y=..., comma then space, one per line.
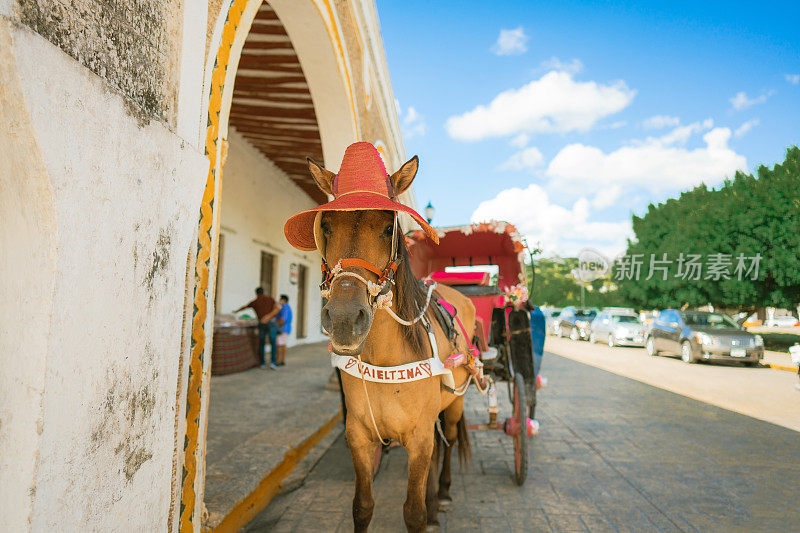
x=347, y=320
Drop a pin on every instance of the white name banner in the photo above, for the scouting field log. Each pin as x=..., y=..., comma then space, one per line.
x=393, y=374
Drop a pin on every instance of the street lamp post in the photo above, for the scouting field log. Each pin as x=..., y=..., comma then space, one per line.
x=429, y=212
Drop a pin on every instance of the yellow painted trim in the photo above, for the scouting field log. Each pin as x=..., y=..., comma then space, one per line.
x=329, y=16
x=270, y=486
x=366, y=58
x=381, y=148
x=782, y=367
x=202, y=267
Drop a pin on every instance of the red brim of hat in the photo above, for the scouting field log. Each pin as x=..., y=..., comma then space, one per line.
x=299, y=229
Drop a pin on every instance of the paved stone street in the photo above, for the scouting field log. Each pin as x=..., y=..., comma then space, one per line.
x=614, y=454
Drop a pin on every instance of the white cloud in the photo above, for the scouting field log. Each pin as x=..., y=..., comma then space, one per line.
x=520, y=141
x=794, y=79
x=529, y=158
x=560, y=230
x=742, y=101
x=511, y=42
x=555, y=103
x=656, y=164
x=607, y=197
x=658, y=122
x=413, y=123
x=745, y=127
x=573, y=66
x=680, y=134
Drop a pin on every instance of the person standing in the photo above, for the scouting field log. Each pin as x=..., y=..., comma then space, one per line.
x=794, y=353
x=538, y=333
x=283, y=320
x=265, y=308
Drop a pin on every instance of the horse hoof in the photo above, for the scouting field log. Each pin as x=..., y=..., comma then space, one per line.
x=432, y=527
x=445, y=498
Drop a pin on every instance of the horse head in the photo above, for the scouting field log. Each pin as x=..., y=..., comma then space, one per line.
x=369, y=235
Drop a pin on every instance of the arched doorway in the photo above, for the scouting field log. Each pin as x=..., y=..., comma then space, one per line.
x=279, y=75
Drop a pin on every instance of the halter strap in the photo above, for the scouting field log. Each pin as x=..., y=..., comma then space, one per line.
x=356, y=262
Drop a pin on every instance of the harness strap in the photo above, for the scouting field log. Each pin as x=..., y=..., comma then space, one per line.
x=356, y=262
x=369, y=405
x=392, y=374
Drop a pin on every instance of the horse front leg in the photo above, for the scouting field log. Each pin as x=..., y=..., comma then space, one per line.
x=420, y=450
x=362, y=449
x=431, y=500
x=444, y=477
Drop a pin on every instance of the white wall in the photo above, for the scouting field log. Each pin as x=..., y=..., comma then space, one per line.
x=257, y=198
x=90, y=359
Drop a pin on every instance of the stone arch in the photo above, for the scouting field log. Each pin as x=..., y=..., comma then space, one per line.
x=313, y=30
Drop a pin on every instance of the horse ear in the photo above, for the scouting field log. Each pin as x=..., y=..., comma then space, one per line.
x=401, y=180
x=322, y=176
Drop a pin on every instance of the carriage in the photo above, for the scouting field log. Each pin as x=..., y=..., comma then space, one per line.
x=485, y=263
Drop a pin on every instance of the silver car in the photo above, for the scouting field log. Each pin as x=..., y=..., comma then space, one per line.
x=551, y=319
x=618, y=329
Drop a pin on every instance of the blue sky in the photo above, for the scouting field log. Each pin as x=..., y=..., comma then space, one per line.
x=566, y=117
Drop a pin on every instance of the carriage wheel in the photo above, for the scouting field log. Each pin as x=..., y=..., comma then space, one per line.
x=510, y=381
x=521, y=439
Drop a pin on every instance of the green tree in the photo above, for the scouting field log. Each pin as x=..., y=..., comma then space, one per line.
x=553, y=285
x=747, y=215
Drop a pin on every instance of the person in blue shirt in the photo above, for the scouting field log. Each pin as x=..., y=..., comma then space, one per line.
x=283, y=321
x=537, y=336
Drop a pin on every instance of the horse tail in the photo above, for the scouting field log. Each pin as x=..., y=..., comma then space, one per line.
x=464, y=446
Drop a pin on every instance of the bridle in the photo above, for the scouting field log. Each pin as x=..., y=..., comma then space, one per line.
x=380, y=291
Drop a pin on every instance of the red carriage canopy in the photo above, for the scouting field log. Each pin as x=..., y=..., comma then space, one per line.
x=493, y=243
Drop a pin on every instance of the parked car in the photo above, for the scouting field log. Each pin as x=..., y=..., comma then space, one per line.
x=551, y=319
x=747, y=320
x=696, y=335
x=575, y=323
x=647, y=317
x=786, y=321
x=617, y=327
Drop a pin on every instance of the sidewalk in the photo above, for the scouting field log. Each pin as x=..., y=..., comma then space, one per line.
x=779, y=360
x=257, y=416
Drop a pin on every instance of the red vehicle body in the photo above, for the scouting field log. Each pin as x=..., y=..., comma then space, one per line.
x=477, y=245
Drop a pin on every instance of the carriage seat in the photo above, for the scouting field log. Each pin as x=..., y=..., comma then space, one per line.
x=461, y=278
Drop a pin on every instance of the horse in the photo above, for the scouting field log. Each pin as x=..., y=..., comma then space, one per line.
x=404, y=412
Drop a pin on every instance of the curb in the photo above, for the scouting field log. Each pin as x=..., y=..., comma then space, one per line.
x=269, y=487
x=782, y=367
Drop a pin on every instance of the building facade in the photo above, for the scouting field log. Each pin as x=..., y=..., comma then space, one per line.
x=152, y=152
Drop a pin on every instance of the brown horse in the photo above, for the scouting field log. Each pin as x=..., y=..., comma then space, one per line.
x=403, y=412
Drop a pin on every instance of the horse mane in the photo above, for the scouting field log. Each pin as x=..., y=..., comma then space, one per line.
x=410, y=300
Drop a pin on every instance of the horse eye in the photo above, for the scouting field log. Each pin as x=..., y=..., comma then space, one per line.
x=388, y=231
x=326, y=227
